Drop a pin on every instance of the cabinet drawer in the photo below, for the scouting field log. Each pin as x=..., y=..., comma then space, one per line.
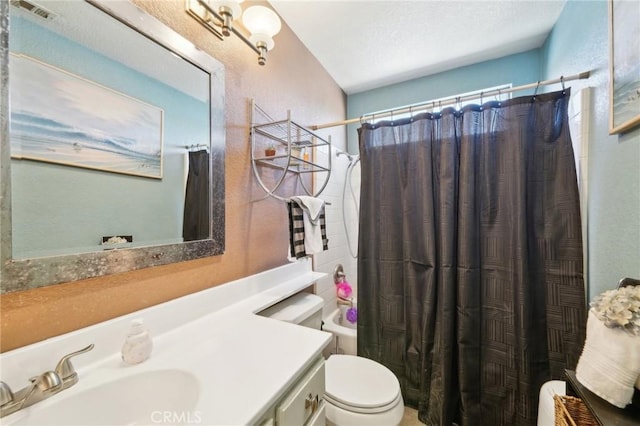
x=304, y=400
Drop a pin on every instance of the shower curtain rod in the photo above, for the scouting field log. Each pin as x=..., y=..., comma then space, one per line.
x=453, y=100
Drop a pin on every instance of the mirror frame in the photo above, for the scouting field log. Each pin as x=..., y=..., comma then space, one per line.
x=24, y=274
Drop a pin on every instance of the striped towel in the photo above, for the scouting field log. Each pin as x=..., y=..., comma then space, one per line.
x=296, y=231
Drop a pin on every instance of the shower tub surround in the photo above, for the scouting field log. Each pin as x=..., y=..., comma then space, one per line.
x=343, y=330
x=240, y=364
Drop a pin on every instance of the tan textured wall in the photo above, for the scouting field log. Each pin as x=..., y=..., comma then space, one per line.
x=256, y=233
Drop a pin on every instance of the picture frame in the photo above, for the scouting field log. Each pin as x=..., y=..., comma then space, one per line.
x=65, y=119
x=624, y=65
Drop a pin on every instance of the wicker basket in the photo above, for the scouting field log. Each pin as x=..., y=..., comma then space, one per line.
x=571, y=411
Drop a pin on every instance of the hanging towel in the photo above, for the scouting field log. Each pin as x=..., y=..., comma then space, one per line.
x=610, y=362
x=312, y=208
x=307, y=228
x=296, y=231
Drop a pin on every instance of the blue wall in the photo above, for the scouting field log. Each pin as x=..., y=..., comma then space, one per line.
x=578, y=42
x=516, y=69
x=50, y=202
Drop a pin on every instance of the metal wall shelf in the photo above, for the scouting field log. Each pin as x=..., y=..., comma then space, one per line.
x=298, y=152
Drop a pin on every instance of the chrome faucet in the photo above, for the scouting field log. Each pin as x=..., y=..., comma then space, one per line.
x=41, y=387
x=342, y=301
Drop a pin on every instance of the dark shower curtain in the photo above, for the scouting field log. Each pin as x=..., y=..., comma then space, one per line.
x=470, y=266
x=196, y=220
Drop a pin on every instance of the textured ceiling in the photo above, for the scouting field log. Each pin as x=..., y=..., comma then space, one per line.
x=369, y=44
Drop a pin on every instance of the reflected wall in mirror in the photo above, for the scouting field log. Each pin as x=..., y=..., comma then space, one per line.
x=116, y=156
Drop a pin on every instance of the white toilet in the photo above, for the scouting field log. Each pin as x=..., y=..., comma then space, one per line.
x=359, y=391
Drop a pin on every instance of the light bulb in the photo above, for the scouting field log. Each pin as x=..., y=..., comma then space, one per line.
x=263, y=23
x=232, y=5
x=228, y=10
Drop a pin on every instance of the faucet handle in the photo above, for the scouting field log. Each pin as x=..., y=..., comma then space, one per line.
x=65, y=369
x=338, y=274
x=46, y=382
x=6, y=395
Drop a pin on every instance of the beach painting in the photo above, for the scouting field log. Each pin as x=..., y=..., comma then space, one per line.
x=624, y=65
x=58, y=117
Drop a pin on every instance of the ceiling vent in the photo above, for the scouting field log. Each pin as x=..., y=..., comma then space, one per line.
x=34, y=9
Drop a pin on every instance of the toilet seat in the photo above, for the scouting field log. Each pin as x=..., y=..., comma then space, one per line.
x=361, y=410
x=360, y=385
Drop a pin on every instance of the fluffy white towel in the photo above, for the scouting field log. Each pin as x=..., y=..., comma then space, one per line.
x=312, y=207
x=610, y=362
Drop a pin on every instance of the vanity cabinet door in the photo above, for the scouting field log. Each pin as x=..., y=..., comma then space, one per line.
x=305, y=400
x=320, y=418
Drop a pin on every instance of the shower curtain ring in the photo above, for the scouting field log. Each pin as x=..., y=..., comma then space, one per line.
x=535, y=92
x=562, y=83
x=481, y=95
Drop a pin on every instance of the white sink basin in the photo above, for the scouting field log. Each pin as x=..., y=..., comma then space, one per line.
x=154, y=397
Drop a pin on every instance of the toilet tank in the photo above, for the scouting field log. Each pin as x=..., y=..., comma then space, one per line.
x=302, y=308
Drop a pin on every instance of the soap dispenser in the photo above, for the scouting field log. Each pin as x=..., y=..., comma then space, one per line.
x=138, y=345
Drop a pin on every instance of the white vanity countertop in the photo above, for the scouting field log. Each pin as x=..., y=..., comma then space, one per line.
x=242, y=361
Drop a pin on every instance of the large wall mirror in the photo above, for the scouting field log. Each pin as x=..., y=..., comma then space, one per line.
x=112, y=143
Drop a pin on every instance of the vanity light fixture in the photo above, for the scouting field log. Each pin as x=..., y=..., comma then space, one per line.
x=218, y=16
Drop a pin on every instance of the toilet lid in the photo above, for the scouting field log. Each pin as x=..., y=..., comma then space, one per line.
x=360, y=382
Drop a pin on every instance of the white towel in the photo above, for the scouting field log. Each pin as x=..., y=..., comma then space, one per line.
x=312, y=208
x=610, y=362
